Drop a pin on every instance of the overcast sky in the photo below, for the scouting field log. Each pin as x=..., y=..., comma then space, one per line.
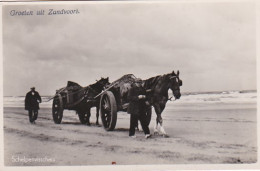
x=212, y=44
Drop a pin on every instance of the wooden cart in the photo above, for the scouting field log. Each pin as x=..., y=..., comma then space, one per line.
x=75, y=97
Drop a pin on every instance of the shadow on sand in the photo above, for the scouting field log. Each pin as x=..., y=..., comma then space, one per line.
x=94, y=125
x=121, y=130
x=71, y=123
x=78, y=123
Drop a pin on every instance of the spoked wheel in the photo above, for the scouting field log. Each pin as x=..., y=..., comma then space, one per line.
x=57, y=109
x=108, y=110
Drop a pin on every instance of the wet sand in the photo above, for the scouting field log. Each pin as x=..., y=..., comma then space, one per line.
x=212, y=133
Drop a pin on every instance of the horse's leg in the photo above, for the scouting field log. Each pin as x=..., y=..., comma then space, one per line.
x=88, y=116
x=159, y=127
x=162, y=106
x=157, y=111
x=97, y=110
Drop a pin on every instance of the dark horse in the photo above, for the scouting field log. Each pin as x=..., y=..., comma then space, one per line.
x=157, y=88
x=90, y=92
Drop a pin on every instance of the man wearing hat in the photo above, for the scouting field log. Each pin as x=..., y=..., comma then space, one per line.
x=32, y=101
x=137, y=108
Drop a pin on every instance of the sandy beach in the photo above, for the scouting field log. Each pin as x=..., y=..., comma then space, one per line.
x=200, y=133
x=205, y=50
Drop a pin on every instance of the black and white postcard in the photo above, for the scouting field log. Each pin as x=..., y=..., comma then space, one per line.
x=138, y=85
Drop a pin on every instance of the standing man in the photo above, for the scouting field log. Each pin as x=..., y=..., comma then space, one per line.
x=137, y=108
x=32, y=101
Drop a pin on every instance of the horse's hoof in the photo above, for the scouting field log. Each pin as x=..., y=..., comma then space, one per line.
x=88, y=124
x=165, y=136
x=156, y=133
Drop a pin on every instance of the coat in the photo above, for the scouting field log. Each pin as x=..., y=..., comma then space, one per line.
x=136, y=106
x=32, y=101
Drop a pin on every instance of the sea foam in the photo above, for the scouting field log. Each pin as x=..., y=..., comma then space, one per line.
x=205, y=97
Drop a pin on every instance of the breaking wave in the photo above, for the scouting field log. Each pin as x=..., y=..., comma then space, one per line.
x=204, y=97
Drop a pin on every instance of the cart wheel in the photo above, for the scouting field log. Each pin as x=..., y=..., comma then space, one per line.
x=148, y=115
x=57, y=109
x=108, y=110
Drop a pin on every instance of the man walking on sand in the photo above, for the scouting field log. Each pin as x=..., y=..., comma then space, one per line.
x=32, y=101
x=137, y=108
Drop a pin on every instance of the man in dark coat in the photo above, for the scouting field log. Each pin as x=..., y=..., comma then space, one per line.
x=137, y=108
x=32, y=101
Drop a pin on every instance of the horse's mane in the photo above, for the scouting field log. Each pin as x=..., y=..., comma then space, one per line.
x=151, y=82
x=97, y=85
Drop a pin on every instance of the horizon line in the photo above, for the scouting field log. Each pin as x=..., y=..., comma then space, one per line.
x=184, y=93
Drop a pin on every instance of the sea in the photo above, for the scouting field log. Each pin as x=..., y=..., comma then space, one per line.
x=248, y=96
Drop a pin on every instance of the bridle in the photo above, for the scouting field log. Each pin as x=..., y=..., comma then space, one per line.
x=178, y=81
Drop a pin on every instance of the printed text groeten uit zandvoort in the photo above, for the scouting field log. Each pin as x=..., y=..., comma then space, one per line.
x=42, y=12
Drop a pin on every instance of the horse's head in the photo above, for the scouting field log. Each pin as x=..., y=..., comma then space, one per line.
x=175, y=83
x=103, y=82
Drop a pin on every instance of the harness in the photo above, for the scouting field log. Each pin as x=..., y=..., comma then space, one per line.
x=156, y=80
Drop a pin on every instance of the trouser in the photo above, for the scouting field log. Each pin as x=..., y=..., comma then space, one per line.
x=33, y=115
x=134, y=121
